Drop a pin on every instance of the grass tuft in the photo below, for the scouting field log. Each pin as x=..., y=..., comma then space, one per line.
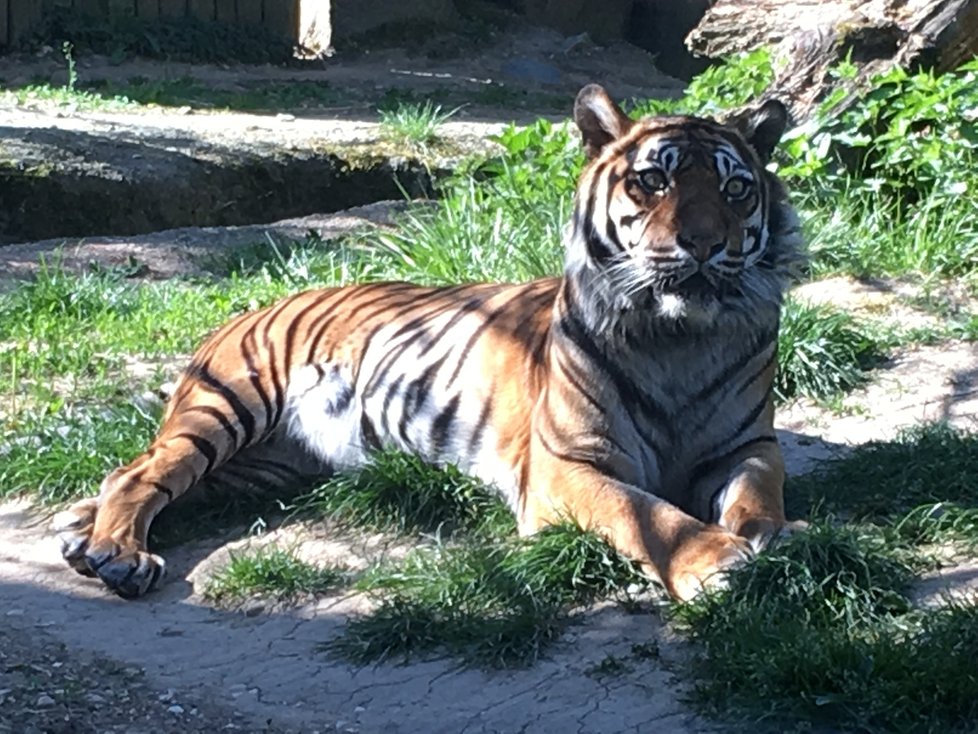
x=270, y=571
x=881, y=480
x=413, y=124
x=822, y=353
x=494, y=604
x=920, y=485
x=398, y=491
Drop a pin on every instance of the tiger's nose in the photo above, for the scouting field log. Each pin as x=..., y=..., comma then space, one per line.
x=700, y=248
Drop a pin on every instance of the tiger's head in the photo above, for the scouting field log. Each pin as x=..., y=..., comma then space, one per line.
x=678, y=215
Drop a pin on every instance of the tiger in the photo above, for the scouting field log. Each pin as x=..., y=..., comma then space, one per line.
x=631, y=394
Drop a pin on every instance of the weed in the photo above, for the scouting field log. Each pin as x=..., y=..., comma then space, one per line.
x=270, y=571
x=413, y=124
x=65, y=453
x=819, y=630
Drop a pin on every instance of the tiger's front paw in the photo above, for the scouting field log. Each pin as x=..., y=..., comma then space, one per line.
x=129, y=572
x=704, y=560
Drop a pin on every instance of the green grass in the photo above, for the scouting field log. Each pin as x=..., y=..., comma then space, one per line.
x=413, y=124
x=822, y=352
x=820, y=631
x=81, y=100
x=399, y=492
x=498, y=603
x=65, y=452
x=270, y=571
x=921, y=485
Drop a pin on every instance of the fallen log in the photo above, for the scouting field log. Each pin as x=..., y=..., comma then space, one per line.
x=811, y=36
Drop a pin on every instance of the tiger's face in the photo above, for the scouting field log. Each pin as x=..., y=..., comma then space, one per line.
x=674, y=212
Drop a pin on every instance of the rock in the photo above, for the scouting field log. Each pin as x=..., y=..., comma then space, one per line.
x=44, y=701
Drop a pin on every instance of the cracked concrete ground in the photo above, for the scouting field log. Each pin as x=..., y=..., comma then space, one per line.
x=268, y=666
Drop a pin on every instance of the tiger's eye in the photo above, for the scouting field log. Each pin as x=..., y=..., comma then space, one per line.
x=736, y=188
x=653, y=180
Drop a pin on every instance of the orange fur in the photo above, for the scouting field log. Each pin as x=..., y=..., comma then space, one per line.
x=614, y=395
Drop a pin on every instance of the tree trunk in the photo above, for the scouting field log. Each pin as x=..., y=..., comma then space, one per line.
x=810, y=36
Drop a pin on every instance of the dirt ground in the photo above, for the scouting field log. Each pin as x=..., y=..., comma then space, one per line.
x=75, y=659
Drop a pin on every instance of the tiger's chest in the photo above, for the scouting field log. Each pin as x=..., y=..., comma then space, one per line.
x=685, y=403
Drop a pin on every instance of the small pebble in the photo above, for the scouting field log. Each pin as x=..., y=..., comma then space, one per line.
x=175, y=709
x=44, y=700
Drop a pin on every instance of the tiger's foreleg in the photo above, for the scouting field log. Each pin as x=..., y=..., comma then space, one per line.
x=751, y=503
x=673, y=547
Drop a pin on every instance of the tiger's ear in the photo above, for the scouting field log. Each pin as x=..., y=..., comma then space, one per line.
x=762, y=126
x=599, y=119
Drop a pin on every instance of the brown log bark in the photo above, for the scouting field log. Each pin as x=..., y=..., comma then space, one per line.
x=809, y=36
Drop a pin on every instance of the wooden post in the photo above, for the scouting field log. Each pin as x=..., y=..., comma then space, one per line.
x=173, y=8
x=282, y=18
x=227, y=11
x=249, y=12
x=147, y=9
x=202, y=9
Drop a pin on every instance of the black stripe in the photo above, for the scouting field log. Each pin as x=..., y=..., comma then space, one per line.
x=248, y=348
x=704, y=468
x=205, y=447
x=290, y=333
x=369, y=434
x=475, y=440
x=569, y=369
x=387, y=363
x=506, y=307
x=415, y=395
x=473, y=304
x=241, y=411
x=732, y=369
x=216, y=414
x=321, y=324
x=442, y=425
x=388, y=399
x=165, y=490
x=600, y=466
x=759, y=371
